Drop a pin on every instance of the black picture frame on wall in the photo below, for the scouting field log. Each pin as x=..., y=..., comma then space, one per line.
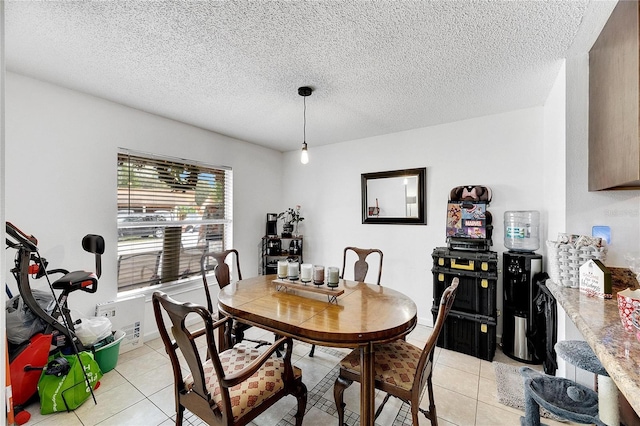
x=395, y=197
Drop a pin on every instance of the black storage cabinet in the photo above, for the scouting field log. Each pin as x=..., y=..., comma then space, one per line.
x=469, y=334
x=470, y=327
x=476, y=291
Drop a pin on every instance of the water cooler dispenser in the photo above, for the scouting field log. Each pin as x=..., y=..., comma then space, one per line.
x=520, y=290
x=519, y=267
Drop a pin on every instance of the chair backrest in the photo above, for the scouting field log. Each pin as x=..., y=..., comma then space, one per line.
x=94, y=244
x=446, y=301
x=221, y=270
x=185, y=342
x=361, y=267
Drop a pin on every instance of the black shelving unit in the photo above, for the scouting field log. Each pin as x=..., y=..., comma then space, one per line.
x=273, y=249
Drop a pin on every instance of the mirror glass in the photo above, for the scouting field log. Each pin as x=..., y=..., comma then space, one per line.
x=396, y=196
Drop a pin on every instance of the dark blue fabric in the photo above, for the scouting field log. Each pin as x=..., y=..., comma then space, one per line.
x=559, y=396
x=580, y=354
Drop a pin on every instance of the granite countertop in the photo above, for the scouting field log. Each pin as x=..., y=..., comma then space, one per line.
x=599, y=322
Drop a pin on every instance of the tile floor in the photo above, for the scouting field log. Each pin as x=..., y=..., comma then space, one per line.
x=139, y=391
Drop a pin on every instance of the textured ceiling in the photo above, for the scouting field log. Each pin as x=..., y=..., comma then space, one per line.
x=377, y=67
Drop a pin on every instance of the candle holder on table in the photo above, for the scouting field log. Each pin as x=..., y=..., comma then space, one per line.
x=283, y=269
x=315, y=273
x=318, y=275
x=306, y=273
x=333, y=277
x=293, y=271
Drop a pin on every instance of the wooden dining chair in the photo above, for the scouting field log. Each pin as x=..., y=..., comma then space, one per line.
x=360, y=266
x=218, y=261
x=401, y=369
x=231, y=387
x=360, y=269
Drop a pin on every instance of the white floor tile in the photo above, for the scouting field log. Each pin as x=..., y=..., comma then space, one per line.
x=315, y=417
x=142, y=364
x=459, y=361
x=420, y=334
x=135, y=353
x=279, y=410
x=110, y=402
x=454, y=407
x=312, y=372
x=456, y=380
x=490, y=415
x=153, y=380
x=155, y=344
x=164, y=399
x=61, y=418
x=140, y=391
x=142, y=413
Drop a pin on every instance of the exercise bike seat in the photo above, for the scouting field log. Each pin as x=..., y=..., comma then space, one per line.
x=83, y=280
x=77, y=280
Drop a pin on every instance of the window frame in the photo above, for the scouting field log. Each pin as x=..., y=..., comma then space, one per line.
x=162, y=226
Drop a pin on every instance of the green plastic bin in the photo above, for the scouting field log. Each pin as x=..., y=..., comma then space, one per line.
x=107, y=356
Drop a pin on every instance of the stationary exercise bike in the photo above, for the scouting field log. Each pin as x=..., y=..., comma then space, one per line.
x=28, y=359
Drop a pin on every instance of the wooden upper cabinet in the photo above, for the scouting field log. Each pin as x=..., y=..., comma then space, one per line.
x=614, y=97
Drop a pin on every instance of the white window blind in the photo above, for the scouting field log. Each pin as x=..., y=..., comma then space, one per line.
x=170, y=211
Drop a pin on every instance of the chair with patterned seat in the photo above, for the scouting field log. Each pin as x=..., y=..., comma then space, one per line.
x=231, y=387
x=217, y=260
x=401, y=369
x=360, y=268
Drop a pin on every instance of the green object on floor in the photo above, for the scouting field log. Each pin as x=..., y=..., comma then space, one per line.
x=107, y=356
x=68, y=391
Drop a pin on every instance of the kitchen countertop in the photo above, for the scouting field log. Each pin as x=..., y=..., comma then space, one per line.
x=599, y=322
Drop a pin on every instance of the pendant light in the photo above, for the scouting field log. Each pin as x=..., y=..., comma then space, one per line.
x=304, y=92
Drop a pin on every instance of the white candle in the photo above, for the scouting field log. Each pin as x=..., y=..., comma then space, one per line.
x=332, y=276
x=294, y=269
x=283, y=268
x=306, y=271
x=318, y=274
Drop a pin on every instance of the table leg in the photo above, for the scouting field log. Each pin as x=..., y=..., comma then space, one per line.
x=367, y=385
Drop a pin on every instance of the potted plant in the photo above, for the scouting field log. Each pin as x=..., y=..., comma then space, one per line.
x=291, y=217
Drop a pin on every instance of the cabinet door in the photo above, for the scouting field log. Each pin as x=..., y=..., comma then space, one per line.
x=614, y=143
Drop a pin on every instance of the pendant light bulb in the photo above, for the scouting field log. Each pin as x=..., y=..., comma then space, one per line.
x=304, y=92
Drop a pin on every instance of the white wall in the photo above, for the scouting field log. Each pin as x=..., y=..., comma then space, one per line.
x=618, y=209
x=554, y=171
x=501, y=151
x=521, y=155
x=60, y=170
x=60, y=138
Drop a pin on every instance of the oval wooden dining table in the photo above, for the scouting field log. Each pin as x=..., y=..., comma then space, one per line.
x=361, y=316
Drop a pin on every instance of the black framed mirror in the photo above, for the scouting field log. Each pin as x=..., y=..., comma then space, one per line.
x=395, y=197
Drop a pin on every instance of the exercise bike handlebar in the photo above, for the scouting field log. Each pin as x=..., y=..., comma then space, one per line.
x=29, y=241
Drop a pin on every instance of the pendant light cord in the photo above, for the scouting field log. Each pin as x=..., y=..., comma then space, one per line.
x=304, y=92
